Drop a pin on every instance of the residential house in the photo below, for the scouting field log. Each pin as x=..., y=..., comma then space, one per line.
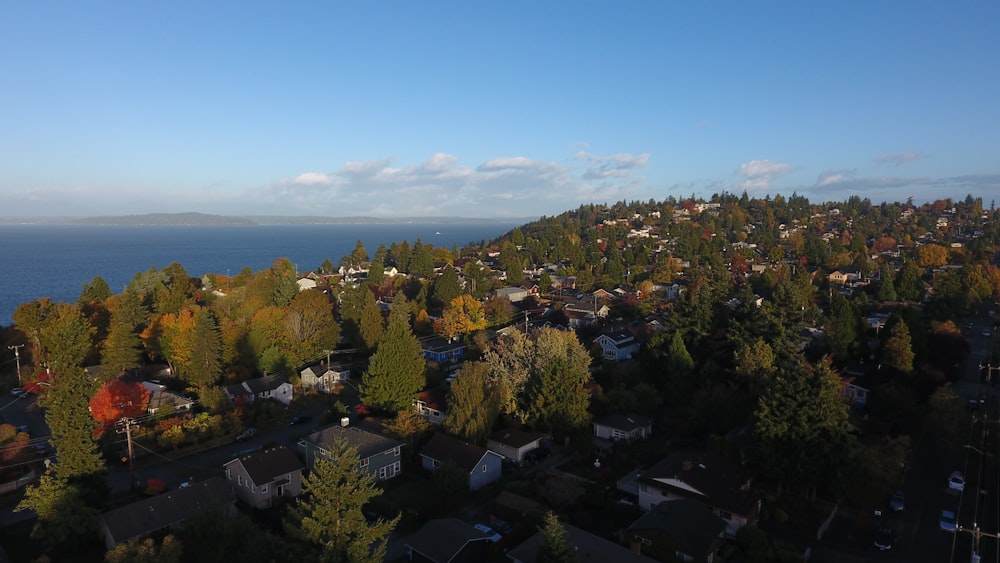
x=274, y=387
x=623, y=427
x=855, y=395
x=432, y=404
x=305, y=283
x=440, y=350
x=617, y=346
x=267, y=477
x=447, y=540
x=324, y=377
x=166, y=511
x=513, y=294
x=481, y=465
x=844, y=277
x=707, y=478
x=588, y=549
x=160, y=397
x=514, y=443
x=681, y=530
x=379, y=455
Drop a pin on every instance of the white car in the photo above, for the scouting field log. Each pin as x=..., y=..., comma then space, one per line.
x=956, y=481
x=18, y=392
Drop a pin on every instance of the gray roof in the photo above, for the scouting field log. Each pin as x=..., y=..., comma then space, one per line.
x=589, y=549
x=444, y=448
x=265, y=465
x=167, y=509
x=442, y=538
x=267, y=383
x=626, y=422
x=688, y=523
x=515, y=437
x=367, y=443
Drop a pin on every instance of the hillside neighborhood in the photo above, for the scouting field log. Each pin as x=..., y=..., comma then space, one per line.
x=731, y=380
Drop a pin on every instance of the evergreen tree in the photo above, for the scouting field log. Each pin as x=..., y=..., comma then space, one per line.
x=206, y=356
x=897, y=351
x=309, y=326
x=97, y=291
x=328, y=515
x=122, y=348
x=843, y=329
x=555, y=547
x=396, y=372
x=372, y=323
x=559, y=400
x=446, y=287
x=909, y=286
x=472, y=405
x=421, y=263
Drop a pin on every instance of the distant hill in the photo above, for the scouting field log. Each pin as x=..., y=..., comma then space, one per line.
x=180, y=219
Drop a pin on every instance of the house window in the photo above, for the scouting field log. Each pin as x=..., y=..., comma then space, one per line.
x=383, y=472
x=617, y=435
x=364, y=462
x=484, y=468
x=229, y=474
x=395, y=468
x=239, y=480
x=263, y=489
x=644, y=540
x=395, y=452
x=436, y=463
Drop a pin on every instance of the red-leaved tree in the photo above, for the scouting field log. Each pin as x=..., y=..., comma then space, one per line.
x=116, y=399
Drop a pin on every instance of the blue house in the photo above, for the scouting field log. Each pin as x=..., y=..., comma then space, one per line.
x=482, y=465
x=441, y=350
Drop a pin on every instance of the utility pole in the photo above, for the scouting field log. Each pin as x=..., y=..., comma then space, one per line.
x=128, y=422
x=17, y=359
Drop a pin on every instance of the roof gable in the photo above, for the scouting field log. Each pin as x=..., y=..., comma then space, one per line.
x=366, y=443
x=263, y=466
x=445, y=449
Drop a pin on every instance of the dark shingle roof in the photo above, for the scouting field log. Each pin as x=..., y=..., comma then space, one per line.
x=263, y=466
x=442, y=538
x=589, y=549
x=626, y=422
x=719, y=481
x=148, y=515
x=267, y=383
x=367, y=443
x=444, y=448
x=687, y=522
x=515, y=437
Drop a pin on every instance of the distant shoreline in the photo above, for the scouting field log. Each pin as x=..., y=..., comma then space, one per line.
x=202, y=219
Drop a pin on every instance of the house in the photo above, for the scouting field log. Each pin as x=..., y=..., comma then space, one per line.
x=623, y=427
x=305, y=283
x=379, y=455
x=160, y=397
x=482, y=466
x=588, y=547
x=514, y=443
x=855, y=395
x=844, y=277
x=440, y=350
x=513, y=294
x=274, y=387
x=432, y=404
x=685, y=530
x=715, y=482
x=264, y=478
x=617, y=346
x=324, y=377
x=447, y=540
x=166, y=511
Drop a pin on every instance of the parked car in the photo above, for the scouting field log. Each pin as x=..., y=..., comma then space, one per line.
x=884, y=538
x=493, y=535
x=18, y=392
x=246, y=434
x=986, y=332
x=897, y=502
x=956, y=481
x=947, y=521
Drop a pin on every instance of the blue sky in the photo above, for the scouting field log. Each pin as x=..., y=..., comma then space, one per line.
x=490, y=109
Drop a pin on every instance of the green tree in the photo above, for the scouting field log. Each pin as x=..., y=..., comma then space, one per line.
x=421, y=263
x=328, y=515
x=843, y=329
x=886, y=285
x=310, y=326
x=555, y=546
x=97, y=291
x=123, y=347
x=206, y=356
x=897, y=351
x=408, y=427
x=65, y=521
x=446, y=287
x=909, y=285
x=372, y=323
x=396, y=372
x=559, y=400
x=472, y=405
x=214, y=534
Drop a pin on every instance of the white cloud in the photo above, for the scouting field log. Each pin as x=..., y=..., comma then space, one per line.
x=614, y=166
x=312, y=179
x=759, y=174
x=832, y=177
x=899, y=160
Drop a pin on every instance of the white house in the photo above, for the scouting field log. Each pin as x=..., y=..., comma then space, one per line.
x=617, y=346
x=274, y=387
x=324, y=377
x=160, y=397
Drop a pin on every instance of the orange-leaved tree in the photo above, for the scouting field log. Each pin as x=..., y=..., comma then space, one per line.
x=117, y=399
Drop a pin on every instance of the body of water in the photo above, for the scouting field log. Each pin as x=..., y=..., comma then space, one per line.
x=55, y=261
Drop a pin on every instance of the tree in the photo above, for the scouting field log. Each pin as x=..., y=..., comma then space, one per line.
x=909, y=286
x=897, y=351
x=169, y=550
x=886, y=285
x=843, y=329
x=328, y=514
x=65, y=522
x=409, y=427
x=372, y=323
x=446, y=287
x=559, y=400
x=396, y=372
x=472, y=405
x=310, y=326
x=117, y=399
x=555, y=546
x=122, y=348
x=464, y=314
x=97, y=291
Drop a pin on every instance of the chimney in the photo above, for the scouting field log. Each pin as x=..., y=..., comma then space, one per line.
x=345, y=421
x=635, y=545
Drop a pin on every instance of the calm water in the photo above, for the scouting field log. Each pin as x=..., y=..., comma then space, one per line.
x=56, y=260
